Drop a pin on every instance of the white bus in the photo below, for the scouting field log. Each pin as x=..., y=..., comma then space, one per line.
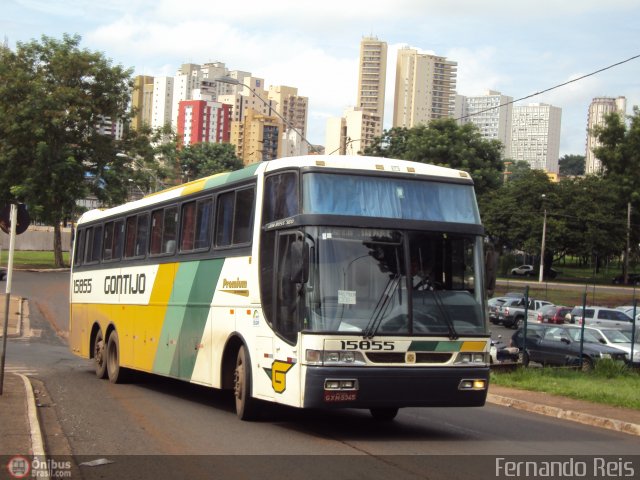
x=316, y=281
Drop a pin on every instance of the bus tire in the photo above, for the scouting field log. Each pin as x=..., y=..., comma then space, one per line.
x=246, y=405
x=384, y=414
x=100, y=355
x=115, y=372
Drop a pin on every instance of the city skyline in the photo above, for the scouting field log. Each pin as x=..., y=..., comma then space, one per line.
x=516, y=48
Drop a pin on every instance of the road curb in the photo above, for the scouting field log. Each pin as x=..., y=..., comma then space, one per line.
x=584, y=418
x=37, y=444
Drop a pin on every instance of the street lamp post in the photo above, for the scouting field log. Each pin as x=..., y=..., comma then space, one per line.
x=544, y=234
x=234, y=81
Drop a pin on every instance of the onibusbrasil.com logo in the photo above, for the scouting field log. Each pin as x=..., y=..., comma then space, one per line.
x=23, y=467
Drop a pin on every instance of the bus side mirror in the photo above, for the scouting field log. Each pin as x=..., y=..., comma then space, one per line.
x=299, y=261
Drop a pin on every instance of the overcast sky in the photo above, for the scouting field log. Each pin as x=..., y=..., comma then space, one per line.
x=517, y=47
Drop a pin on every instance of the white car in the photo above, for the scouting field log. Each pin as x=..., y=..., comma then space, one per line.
x=525, y=270
x=615, y=338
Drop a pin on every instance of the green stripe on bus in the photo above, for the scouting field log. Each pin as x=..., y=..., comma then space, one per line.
x=196, y=314
x=427, y=346
x=224, y=178
x=188, y=285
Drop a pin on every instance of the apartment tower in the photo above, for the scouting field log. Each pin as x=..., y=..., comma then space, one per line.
x=293, y=109
x=425, y=88
x=142, y=101
x=535, y=136
x=599, y=108
x=372, y=75
x=492, y=113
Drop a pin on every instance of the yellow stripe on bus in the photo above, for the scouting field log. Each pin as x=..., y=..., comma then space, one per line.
x=473, y=346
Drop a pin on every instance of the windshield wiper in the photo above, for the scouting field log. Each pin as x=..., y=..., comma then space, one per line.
x=453, y=335
x=381, y=307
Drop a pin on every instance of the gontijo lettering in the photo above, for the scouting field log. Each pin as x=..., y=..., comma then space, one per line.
x=125, y=284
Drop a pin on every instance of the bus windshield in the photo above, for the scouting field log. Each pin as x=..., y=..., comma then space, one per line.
x=393, y=282
x=389, y=197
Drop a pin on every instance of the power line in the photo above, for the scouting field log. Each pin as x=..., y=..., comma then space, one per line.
x=551, y=88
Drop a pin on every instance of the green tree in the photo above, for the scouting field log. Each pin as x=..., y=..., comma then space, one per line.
x=595, y=217
x=443, y=142
x=518, y=170
x=571, y=165
x=513, y=215
x=53, y=95
x=202, y=159
x=619, y=152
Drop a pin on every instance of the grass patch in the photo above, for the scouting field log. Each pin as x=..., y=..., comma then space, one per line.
x=32, y=259
x=610, y=383
x=571, y=297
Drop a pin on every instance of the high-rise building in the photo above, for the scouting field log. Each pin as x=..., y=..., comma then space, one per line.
x=142, y=101
x=293, y=109
x=202, y=121
x=256, y=137
x=162, y=102
x=372, y=75
x=425, y=88
x=535, y=136
x=599, y=108
x=492, y=113
x=352, y=133
x=250, y=95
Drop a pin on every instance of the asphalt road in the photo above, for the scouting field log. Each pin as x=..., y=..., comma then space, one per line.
x=153, y=426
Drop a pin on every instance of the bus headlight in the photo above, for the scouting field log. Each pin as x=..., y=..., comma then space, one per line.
x=471, y=358
x=337, y=357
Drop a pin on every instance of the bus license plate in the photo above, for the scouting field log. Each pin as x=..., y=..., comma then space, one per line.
x=340, y=396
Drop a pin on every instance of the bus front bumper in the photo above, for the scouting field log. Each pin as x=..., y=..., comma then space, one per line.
x=375, y=387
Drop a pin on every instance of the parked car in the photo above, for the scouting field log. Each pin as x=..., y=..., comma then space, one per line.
x=560, y=345
x=628, y=309
x=493, y=305
x=632, y=279
x=614, y=337
x=510, y=313
x=524, y=270
x=554, y=314
x=603, y=316
x=533, y=311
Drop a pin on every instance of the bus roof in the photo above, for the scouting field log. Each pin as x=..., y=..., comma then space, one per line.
x=347, y=162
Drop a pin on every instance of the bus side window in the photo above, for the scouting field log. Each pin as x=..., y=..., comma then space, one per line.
x=93, y=244
x=142, y=232
x=242, y=218
x=130, y=237
x=157, y=225
x=118, y=239
x=79, y=249
x=195, y=225
x=280, y=197
x=224, y=219
x=170, y=230
x=107, y=244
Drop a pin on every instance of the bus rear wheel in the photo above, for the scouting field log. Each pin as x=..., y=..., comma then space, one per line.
x=115, y=372
x=384, y=414
x=100, y=355
x=246, y=406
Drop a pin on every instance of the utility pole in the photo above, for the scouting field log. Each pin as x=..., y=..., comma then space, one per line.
x=627, y=250
x=544, y=235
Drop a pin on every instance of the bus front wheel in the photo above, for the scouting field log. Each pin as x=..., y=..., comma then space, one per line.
x=100, y=355
x=246, y=406
x=115, y=372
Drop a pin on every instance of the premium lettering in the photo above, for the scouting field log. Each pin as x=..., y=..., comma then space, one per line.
x=234, y=283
